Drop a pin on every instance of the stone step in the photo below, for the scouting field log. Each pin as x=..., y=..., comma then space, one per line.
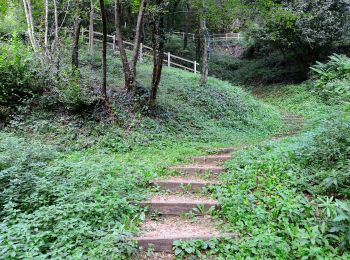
x=160, y=234
x=213, y=158
x=202, y=169
x=173, y=204
x=178, y=184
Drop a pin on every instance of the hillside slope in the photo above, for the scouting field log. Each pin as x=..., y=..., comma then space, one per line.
x=69, y=183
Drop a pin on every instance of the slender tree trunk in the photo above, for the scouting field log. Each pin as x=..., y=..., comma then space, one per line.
x=137, y=41
x=56, y=40
x=158, y=42
x=186, y=25
x=30, y=25
x=75, y=49
x=46, y=37
x=205, y=57
x=128, y=75
x=91, y=28
x=104, y=49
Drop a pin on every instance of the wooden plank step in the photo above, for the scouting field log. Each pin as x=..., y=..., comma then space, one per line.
x=193, y=169
x=177, y=205
x=213, y=158
x=229, y=150
x=165, y=244
x=161, y=233
x=181, y=184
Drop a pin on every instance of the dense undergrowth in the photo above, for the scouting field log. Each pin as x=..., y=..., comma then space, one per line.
x=290, y=199
x=70, y=178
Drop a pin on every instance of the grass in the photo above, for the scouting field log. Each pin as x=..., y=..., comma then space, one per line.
x=70, y=184
x=289, y=198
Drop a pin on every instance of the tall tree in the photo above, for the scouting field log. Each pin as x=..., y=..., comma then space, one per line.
x=104, y=49
x=30, y=24
x=158, y=43
x=76, y=36
x=205, y=54
x=91, y=28
x=46, y=37
x=129, y=69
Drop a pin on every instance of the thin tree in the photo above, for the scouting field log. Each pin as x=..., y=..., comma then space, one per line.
x=104, y=49
x=30, y=25
x=91, y=28
x=56, y=43
x=158, y=43
x=129, y=69
x=46, y=36
x=76, y=37
x=205, y=53
x=187, y=22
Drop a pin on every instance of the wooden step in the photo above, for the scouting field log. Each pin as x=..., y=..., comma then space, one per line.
x=202, y=169
x=165, y=244
x=161, y=233
x=181, y=184
x=178, y=204
x=213, y=158
x=229, y=150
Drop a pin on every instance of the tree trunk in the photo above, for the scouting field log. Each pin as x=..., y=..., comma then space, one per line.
x=56, y=44
x=137, y=40
x=158, y=42
x=186, y=25
x=30, y=25
x=128, y=75
x=75, y=49
x=104, y=49
x=91, y=28
x=205, y=57
x=46, y=37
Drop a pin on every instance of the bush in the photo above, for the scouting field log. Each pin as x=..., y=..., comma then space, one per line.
x=59, y=206
x=73, y=94
x=333, y=79
x=307, y=28
x=19, y=77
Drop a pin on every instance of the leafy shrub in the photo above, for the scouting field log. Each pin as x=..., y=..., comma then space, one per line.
x=329, y=145
x=333, y=79
x=307, y=28
x=19, y=77
x=265, y=67
x=65, y=207
x=73, y=94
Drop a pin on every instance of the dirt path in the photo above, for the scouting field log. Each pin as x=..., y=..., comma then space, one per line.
x=180, y=210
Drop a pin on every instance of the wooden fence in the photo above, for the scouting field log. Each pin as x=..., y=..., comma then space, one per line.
x=170, y=59
x=214, y=37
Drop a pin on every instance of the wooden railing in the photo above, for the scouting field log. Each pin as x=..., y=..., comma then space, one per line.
x=214, y=37
x=171, y=59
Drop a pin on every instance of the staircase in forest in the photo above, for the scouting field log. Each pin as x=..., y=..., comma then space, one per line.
x=180, y=210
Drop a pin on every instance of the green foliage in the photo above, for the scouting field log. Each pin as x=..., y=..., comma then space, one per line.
x=333, y=79
x=265, y=68
x=58, y=207
x=19, y=77
x=306, y=28
x=72, y=92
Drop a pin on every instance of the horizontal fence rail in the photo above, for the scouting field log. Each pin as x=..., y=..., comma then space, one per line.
x=170, y=60
x=214, y=37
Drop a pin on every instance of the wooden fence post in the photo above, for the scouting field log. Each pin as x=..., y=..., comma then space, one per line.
x=141, y=51
x=82, y=33
x=113, y=42
x=169, y=59
x=195, y=67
